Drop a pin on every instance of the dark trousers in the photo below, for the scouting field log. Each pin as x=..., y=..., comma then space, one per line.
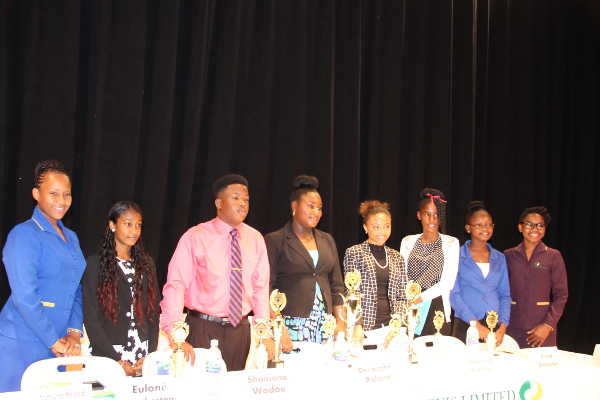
x=234, y=343
x=437, y=304
x=459, y=329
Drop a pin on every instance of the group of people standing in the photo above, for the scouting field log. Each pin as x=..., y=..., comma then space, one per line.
x=223, y=271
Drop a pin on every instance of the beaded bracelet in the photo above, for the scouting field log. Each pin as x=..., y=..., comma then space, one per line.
x=69, y=330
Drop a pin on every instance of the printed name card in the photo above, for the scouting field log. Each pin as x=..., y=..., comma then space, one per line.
x=371, y=376
x=152, y=388
x=545, y=359
x=270, y=382
x=76, y=392
x=480, y=362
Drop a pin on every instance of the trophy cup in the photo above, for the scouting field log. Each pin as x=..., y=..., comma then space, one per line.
x=395, y=325
x=261, y=330
x=179, y=333
x=277, y=302
x=329, y=324
x=412, y=318
x=438, y=322
x=491, y=320
x=351, y=302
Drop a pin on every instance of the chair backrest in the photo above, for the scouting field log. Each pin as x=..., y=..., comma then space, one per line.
x=105, y=370
x=450, y=344
x=508, y=343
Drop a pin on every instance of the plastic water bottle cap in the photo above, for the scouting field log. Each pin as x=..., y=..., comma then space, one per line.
x=341, y=335
x=473, y=323
x=402, y=329
x=214, y=342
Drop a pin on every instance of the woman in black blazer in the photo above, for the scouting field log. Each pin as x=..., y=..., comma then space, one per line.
x=383, y=274
x=305, y=267
x=120, y=296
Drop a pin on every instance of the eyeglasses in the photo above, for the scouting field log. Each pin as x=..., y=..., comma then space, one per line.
x=531, y=225
x=479, y=226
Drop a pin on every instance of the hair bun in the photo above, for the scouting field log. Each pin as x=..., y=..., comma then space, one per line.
x=433, y=192
x=475, y=205
x=305, y=181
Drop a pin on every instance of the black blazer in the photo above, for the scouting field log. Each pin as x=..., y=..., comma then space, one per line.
x=102, y=332
x=294, y=274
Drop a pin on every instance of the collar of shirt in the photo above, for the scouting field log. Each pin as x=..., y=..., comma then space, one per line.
x=44, y=223
x=465, y=252
x=541, y=246
x=224, y=228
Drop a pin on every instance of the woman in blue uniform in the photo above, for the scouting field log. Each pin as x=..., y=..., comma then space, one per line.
x=43, y=260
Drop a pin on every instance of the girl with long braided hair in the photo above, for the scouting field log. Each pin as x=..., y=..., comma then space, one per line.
x=432, y=261
x=120, y=296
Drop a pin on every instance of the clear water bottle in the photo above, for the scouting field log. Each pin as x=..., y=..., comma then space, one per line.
x=215, y=366
x=473, y=337
x=340, y=349
x=163, y=360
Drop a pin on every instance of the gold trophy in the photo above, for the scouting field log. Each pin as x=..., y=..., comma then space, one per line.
x=261, y=330
x=329, y=325
x=412, y=318
x=179, y=333
x=491, y=321
x=395, y=325
x=438, y=322
x=351, y=302
x=277, y=302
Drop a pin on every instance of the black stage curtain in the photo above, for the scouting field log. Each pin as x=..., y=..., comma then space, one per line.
x=153, y=100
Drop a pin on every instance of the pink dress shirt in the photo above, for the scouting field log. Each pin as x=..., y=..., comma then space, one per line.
x=199, y=271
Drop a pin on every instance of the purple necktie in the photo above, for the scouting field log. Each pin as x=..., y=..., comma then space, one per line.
x=235, y=281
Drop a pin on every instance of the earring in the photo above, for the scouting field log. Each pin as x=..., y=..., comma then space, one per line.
x=468, y=231
x=294, y=213
x=112, y=230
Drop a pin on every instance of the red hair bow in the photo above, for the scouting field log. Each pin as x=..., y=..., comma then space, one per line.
x=435, y=197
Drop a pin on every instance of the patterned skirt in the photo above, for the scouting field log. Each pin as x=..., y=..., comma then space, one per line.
x=308, y=329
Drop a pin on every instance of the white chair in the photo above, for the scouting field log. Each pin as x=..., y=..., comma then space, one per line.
x=508, y=343
x=105, y=370
x=450, y=345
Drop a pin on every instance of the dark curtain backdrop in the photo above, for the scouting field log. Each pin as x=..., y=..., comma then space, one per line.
x=153, y=100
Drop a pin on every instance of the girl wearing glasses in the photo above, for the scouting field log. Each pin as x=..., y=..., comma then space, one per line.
x=432, y=261
x=538, y=283
x=482, y=281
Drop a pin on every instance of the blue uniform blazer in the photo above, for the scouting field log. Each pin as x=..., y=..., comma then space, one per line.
x=44, y=273
x=474, y=295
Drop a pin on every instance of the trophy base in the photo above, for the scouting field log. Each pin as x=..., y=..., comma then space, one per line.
x=413, y=359
x=275, y=364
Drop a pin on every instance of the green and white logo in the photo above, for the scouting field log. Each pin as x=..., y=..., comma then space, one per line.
x=530, y=390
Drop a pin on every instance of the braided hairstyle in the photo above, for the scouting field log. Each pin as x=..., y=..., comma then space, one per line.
x=371, y=207
x=473, y=207
x=107, y=292
x=536, y=210
x=45, y=167
x=303, y=184
x=440, y=205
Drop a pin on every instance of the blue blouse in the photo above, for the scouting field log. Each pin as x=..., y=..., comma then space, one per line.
x=44, y=273
x=474, y=295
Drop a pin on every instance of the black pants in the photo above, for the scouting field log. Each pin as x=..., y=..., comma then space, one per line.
x=234, y=343
x=437, y=304
x=459, y=330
